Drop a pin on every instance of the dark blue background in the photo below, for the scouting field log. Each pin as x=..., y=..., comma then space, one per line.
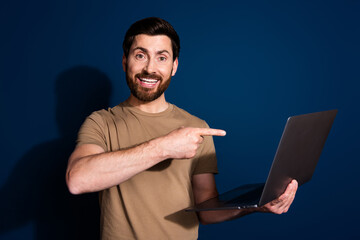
x=244, y=67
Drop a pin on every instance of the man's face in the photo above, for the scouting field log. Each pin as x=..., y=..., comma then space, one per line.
x=149, y=66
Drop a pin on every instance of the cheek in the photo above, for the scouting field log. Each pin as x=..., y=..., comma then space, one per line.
x=133, y=69
x=166, y=71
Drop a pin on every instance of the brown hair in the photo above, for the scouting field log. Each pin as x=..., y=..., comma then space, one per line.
x=152, y=26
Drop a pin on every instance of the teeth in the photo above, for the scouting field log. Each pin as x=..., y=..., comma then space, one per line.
x=148, y=80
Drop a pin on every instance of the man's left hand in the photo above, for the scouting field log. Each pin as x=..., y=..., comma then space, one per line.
x=282, y=203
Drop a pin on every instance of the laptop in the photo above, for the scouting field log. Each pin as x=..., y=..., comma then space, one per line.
x=296, y=157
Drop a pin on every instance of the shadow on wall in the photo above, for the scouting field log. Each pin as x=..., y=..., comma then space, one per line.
x=36, y=190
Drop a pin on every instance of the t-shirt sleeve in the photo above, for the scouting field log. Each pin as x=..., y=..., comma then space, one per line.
x=206, y=158
x=92, y=131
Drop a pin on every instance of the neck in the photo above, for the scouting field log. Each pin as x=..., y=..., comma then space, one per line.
x=156, y=106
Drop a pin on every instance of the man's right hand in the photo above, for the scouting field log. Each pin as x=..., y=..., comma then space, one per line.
x=184, y=142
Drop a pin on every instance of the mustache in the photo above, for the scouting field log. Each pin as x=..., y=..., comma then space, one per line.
x=148, y=75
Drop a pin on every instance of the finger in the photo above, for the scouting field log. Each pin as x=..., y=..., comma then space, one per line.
x=291, y=190
x=201, y=139
x=210, y=132
x=294, y=189
x=289, y=195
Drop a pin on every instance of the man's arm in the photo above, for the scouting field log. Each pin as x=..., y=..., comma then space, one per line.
x=91, y=169
x=204, y=188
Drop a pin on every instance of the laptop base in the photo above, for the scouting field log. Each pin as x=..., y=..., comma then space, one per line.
x=245, y=196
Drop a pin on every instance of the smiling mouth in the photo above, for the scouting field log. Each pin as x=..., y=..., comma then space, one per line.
x=148, y=80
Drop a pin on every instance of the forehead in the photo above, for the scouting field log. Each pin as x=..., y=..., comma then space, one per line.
x=152, y=43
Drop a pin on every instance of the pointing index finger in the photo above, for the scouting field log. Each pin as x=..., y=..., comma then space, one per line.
x=210, y=132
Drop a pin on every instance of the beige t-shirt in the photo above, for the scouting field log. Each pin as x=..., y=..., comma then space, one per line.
x=150, y=204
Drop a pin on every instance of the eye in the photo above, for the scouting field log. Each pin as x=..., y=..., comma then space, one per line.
x=162, y=59
x=140, y=56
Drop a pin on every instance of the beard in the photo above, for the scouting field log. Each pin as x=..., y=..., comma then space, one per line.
x=146, y=94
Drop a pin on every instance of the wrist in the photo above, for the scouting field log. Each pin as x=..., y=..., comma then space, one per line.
x=157, y=147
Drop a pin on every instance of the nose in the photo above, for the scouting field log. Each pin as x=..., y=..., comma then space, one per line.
x=150, y=66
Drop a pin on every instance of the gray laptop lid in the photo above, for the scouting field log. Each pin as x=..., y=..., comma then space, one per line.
x=298, y=152
x=297, y=155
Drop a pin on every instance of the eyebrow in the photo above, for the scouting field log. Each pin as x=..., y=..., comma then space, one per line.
x=146, y=51
x=140, y=48
x=163, y=51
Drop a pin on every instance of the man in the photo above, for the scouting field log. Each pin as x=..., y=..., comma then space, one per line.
x=148, y=158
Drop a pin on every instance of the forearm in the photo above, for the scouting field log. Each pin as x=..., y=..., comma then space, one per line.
x=100, y=171
x=217, y=216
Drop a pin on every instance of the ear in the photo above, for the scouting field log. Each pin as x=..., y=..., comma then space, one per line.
x=175, y=66
x=124, y=63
